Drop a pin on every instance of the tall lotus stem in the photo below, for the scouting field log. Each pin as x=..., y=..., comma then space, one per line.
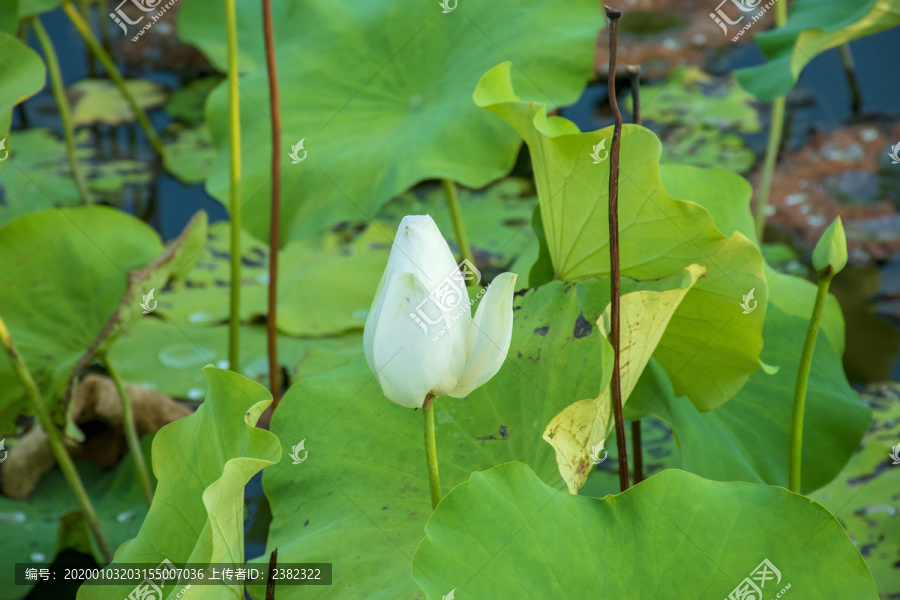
x=614, y=337
x=852, y=78
x=776, y=131
x=829, y=257
x=131, y=435
x=434, y=482
x=56, y=443
x=274, y=224
x=459, y=225
x=62, y=103
x=91, y=40
x=234, y=164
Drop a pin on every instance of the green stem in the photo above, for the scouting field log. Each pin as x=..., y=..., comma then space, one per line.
x=59, y=93
x=434, y=481
x=852, y=78
x=459, y=226
x=56, y=443
x=131, y=435
x=802, y=380
x=85, y=6
x=234, y=164
x=85, y=31
x=776, y=131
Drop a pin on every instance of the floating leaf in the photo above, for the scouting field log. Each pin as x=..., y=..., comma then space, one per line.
x=382, y=115
x=22, y=76
x=503, y=534
x=99, y=100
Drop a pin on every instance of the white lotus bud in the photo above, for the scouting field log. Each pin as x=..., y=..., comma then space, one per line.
x=420, y=337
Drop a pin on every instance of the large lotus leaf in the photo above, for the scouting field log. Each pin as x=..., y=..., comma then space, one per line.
x=506, y=534
x=37, y=529
x=361, y=498
x=391, y=105
x=812, y=27
x=29, y=8
x=22, y=76
x=202, y=463
x=750, y=433
x=583, y=427
x=710, y=348
x=59, y=321
x=9, y=16
x=168, y=357
x=41, y=177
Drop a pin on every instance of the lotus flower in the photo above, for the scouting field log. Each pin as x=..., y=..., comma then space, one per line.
x=420, y=338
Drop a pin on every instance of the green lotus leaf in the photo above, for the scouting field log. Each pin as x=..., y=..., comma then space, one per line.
x=361, y=498
x=202, y=463
x=9, y=16
x=392, y=104
x=22, y=76
x=750, y=433
x=710, y=348
x=29, y=8
x=813, y=27
x=503, y=534
x=50, y=521
x=582, y=428
x=60, y=322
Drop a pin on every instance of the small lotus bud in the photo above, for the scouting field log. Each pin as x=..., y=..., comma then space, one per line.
x=830, y=255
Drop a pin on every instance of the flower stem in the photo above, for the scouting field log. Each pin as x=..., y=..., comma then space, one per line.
x=806, y=357
x=56, y=443
x=852, y=78
x=434, y=481
x=91, y=40
x=614, y=279
x=234, y=122
x=459, y=226
x=636, y=449
x=275, y=223
x=776, y=131
x=59, y=93
x=131, y=435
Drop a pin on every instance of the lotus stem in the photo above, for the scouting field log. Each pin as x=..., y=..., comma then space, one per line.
x=62, y=103
x=85, y=6
x=56, y=443
x=852, y=78
x=131, y=435
x=809, y=346
x=615, y=280
x=274, y=224
x=234, y=164
x=459, y=225
x=434, y=482
x=776, y=131
x=91, y=40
